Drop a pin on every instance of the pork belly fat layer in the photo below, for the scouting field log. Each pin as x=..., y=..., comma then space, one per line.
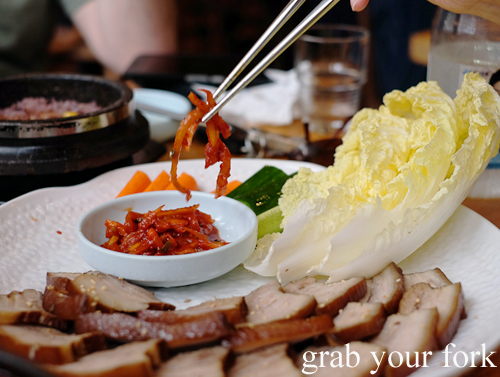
x=270, y=361
x=26, y=307
x=386, y=287
x=124, y=327
x=311, y=359
x=359, y=320
x=206, y=362
x=129, y=360
x=414, y=333
x=331, y=297
x=251, y=337
x=47, y=345
x=448, y=300
x=269, y=303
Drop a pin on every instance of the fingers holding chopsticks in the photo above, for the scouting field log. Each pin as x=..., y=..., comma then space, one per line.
x=488, y=9
x=358, y=5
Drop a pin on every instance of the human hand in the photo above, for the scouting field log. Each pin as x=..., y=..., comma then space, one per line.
x=489, y=9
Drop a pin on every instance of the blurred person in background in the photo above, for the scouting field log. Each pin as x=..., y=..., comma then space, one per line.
x=116, y=31
x=392, y=24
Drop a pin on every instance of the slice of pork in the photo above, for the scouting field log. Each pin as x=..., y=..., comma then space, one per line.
x=234, y=308
x=250, y=337
x=269, y=303
x=64, y=305
x=330, y=297
x=27, y=307
x=411, y=335
x=47, y=345
x=123, y=327
x=109, y=294
x=435, y=278
x=206, y=362
x=60, y=281
x=57, y=298
x=129, y=360
x=448, y=300
x=359, y=320
x=328, y=361
x=272, y=361
x=386, y=287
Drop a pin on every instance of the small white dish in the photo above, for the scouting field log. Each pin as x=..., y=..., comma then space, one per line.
x=162, y=127
x=237, y=224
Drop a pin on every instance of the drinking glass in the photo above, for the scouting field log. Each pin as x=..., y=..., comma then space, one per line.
x=331, y=63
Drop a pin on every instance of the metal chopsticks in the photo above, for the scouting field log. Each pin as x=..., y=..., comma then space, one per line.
x=319, y=11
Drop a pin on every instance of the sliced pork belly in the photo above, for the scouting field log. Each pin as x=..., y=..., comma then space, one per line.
x=272, y=361
x=359, y=320
x=269, y=303
x=410, y=335
x=234, y=308
x=311, y=359
x=330, y=297
x=386, y=287
x=47, y=345
x=57, y=298
x=129, y=360
x=250, y=337
x=109, y=294
x=63, y=305
x=126, y=328
x=448, y=300
x=206, y=362
x=61, y=281
x=27, y=307
x=435, y=278
x=68, y=295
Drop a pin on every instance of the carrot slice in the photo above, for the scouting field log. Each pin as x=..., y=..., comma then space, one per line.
x=161, y=182
x=185, y=180
x=231, y=186
x=136, y=184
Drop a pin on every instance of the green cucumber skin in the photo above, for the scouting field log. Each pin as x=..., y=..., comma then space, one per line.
x=262, y=190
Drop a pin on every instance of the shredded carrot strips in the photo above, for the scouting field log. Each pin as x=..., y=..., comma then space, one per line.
x=215, y=150
x=164, y=232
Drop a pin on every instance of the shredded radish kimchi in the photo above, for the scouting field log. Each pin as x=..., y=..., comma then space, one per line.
x=215, y=150
x=163, y=232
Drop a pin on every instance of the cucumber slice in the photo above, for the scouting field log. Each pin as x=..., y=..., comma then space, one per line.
x=262, y=190
x=269, y=222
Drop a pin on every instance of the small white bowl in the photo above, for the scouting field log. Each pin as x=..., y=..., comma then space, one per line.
x=236, y=222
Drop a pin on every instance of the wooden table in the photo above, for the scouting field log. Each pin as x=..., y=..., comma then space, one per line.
x=488, y=208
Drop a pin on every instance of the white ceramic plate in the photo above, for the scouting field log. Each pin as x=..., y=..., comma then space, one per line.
x=38, y=234
x=162, y=127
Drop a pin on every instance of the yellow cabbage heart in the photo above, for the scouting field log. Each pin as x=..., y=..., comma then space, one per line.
x=400, y=173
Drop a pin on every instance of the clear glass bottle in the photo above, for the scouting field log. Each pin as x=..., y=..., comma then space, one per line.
x=461, y=43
